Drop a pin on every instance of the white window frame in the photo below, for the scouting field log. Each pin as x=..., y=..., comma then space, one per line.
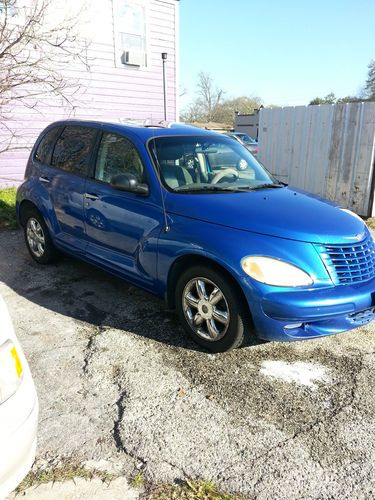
x=119, y=29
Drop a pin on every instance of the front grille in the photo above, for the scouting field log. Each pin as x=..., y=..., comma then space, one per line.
x=350, y=263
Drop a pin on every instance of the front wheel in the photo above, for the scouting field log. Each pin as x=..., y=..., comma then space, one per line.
x=210, y=309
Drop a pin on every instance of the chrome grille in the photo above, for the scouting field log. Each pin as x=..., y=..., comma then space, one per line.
x=350, y=263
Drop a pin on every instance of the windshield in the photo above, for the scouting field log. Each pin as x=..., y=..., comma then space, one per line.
x=211, y=164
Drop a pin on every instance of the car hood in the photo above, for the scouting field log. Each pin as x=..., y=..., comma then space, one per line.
x=282, y=212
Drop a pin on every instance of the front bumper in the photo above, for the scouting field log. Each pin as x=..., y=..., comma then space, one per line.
x=301, y=314
x=17, y=452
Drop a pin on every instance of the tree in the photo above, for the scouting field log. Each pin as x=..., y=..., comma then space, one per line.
x=35, y=45
x=193, y=113
x=366, y=94
x=208, y=96
x=245, y=105
x=349, y=98
x=328, y=99
x=211, y=106
x=370, y=82
x=204, y=107
x=332, y=99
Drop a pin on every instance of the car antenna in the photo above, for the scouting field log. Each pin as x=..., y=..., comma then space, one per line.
x=167, y=226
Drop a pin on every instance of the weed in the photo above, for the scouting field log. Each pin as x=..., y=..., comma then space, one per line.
x=190, y=490
x=138, y=480
x=65, y=472
x=8, y=208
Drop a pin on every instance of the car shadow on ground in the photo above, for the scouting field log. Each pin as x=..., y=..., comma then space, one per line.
x=73, y=288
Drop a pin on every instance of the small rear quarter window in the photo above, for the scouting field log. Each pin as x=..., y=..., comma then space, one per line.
x=44, y=150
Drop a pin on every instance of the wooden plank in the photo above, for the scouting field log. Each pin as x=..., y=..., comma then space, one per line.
x=327, y=150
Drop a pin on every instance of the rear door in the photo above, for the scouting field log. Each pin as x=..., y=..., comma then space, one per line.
x=66, y=178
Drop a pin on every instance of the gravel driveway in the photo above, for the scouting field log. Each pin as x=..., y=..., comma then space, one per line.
x=121, y=388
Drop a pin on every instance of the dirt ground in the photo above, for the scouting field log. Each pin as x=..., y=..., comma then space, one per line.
x=122, y=390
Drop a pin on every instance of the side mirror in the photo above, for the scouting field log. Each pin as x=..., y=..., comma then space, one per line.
x=129, y=182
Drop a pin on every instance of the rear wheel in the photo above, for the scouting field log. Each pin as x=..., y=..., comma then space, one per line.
x=37, y=237
x=210, y=309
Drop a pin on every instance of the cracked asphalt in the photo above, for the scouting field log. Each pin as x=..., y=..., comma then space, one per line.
x=121, y=387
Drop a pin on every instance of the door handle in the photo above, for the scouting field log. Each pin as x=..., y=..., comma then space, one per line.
x=90, y=196
x=44, y=179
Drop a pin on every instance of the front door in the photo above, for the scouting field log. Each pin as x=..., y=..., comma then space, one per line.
x=121, y=227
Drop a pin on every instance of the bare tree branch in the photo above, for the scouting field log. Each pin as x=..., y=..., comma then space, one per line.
x=34, y=50
x=209, y=96
x=212, y=106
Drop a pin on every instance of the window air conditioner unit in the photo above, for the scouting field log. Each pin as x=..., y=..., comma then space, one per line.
x=133, y=57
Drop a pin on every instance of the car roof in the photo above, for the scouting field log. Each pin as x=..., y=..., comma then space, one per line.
x=142, y=131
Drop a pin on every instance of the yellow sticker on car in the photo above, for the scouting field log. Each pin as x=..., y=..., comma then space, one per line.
x=17, y=362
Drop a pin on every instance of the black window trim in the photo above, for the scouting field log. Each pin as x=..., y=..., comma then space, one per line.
x=59, y=129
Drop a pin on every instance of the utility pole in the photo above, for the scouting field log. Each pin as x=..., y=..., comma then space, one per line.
x=164, y=56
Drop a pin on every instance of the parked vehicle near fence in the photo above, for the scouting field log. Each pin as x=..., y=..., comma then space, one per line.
x=18, y=409
x=190, y=215
x=247, y=141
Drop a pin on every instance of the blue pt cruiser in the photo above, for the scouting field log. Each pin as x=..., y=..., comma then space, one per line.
x=192, y=216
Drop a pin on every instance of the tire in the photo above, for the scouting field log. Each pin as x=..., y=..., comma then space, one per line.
x=221, y=321
x=37, y=237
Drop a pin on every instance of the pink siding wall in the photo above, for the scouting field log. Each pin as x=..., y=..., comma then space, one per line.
x=106, y=91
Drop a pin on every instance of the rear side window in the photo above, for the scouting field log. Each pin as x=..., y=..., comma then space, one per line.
x=73, y=149
x=43, y=152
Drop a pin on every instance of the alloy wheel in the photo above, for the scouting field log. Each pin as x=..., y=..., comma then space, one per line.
x=35, y=237
x=206, y=309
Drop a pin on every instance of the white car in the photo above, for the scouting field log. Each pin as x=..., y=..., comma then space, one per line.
x=18, y=409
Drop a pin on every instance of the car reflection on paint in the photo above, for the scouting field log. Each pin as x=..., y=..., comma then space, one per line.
x=249, y=142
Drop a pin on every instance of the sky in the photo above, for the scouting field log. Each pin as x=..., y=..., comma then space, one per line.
x=286, y=52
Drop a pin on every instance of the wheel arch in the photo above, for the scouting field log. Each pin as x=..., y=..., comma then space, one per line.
x=42, y=211
x=23, y=206
x=189, y=260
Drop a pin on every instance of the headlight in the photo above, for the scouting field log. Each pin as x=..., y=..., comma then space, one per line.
x=275, y=272
x=10, y=371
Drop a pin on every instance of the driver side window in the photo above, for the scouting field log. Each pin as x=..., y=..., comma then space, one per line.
x=117, y=155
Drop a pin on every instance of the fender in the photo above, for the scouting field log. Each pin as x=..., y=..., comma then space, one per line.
x=189, y=237
x=196, y=238
x=33, y=191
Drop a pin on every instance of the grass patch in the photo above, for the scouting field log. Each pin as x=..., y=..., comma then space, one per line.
x=190, y=490
x=138, y=481
x=371, y=222
x=65, y=472
x=187, y=490
x=8, y=208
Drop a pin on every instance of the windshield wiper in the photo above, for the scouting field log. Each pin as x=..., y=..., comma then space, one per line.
x=205, y=189
x=237, y=189
x=266, y=185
